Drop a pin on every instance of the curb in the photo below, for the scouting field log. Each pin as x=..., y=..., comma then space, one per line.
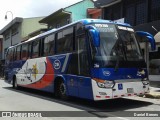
x=152, y=95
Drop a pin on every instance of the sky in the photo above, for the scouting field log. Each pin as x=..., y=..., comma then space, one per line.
x=30, y=8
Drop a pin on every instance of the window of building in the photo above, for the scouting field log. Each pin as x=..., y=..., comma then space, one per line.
x=130, y=14
x=68, y=21
x=65, y=41
x=49, y=42
x=113, y=12
x=141, y=12
x=6, y=35
x=35, y=49
x=155, y=10
x=135, y=12
x=14, y=30
x=58, y=25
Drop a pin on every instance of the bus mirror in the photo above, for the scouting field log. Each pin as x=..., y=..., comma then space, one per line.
x=149, y=37
x=95, y=37
x=152, y=42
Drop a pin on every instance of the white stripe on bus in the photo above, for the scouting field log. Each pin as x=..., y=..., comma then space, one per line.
x=65, y=62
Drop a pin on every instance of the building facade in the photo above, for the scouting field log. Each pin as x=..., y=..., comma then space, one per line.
x=144, y=15
x=69, y=14
x=94, y=13
x=18, y=30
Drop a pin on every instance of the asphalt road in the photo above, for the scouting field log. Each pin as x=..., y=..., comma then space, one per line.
x=25, y=100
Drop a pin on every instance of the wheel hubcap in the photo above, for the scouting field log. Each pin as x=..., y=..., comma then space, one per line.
x=62, y=89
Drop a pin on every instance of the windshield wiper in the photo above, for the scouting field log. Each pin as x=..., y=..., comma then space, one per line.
x=117, y=65
x=116, y=46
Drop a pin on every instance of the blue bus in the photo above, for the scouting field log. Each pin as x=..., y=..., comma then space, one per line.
x=91, y=58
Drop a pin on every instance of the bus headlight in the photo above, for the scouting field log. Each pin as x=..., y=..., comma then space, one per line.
x=105, y=84
x=145, y=81
x=101, y=85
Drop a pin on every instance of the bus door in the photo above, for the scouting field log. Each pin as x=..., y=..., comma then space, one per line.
x=84, y=81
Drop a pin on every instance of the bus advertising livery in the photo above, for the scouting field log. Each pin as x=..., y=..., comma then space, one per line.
x=91, y=58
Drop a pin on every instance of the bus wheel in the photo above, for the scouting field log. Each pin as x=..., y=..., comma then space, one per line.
x=15, y=86
x=62, y=90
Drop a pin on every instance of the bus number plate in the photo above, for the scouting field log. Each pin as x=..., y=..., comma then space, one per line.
x=130, y=90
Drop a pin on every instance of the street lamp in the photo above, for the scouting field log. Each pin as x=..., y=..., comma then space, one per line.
x=7, y=13
x=11, y=22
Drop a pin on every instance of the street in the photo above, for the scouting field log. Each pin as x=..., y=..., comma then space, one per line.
x=32, y=100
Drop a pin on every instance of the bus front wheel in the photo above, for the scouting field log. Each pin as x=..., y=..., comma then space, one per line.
x=15, y=85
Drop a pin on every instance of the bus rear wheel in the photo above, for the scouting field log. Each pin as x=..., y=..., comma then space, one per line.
x=61, y=90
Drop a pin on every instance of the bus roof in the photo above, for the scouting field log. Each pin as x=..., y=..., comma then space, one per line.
x=83, y=21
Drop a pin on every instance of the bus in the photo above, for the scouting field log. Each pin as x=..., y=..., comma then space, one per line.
x=91, y=59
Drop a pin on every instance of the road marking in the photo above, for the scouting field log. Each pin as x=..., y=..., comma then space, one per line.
x=122, y=118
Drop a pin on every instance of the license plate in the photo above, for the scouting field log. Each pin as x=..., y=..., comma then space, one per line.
x=130, y=90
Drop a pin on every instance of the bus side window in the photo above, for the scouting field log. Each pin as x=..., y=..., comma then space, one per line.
x=68, y=36
x=29, y=50
x=18, y=53
x=65, y=41
x=48, y=42
x=11, y=54
x=24, y=52
x=60, y=42
x=14, y=54
x=83, y=62
x=80, y=30
x=8, y=55
x=35, y=49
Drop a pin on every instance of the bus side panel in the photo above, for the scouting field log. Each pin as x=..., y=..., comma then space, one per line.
x=72, y=85
x=85, y=88
x=79, y=86
x=37, y=74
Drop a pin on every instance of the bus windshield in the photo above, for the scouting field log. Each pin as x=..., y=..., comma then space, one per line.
x=117, y=44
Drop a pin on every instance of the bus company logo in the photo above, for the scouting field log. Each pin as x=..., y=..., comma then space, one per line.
x=106, y=73
x=57, y=64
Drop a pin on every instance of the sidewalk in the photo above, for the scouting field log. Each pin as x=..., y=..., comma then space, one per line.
x=154, y=93
x=154, y=87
